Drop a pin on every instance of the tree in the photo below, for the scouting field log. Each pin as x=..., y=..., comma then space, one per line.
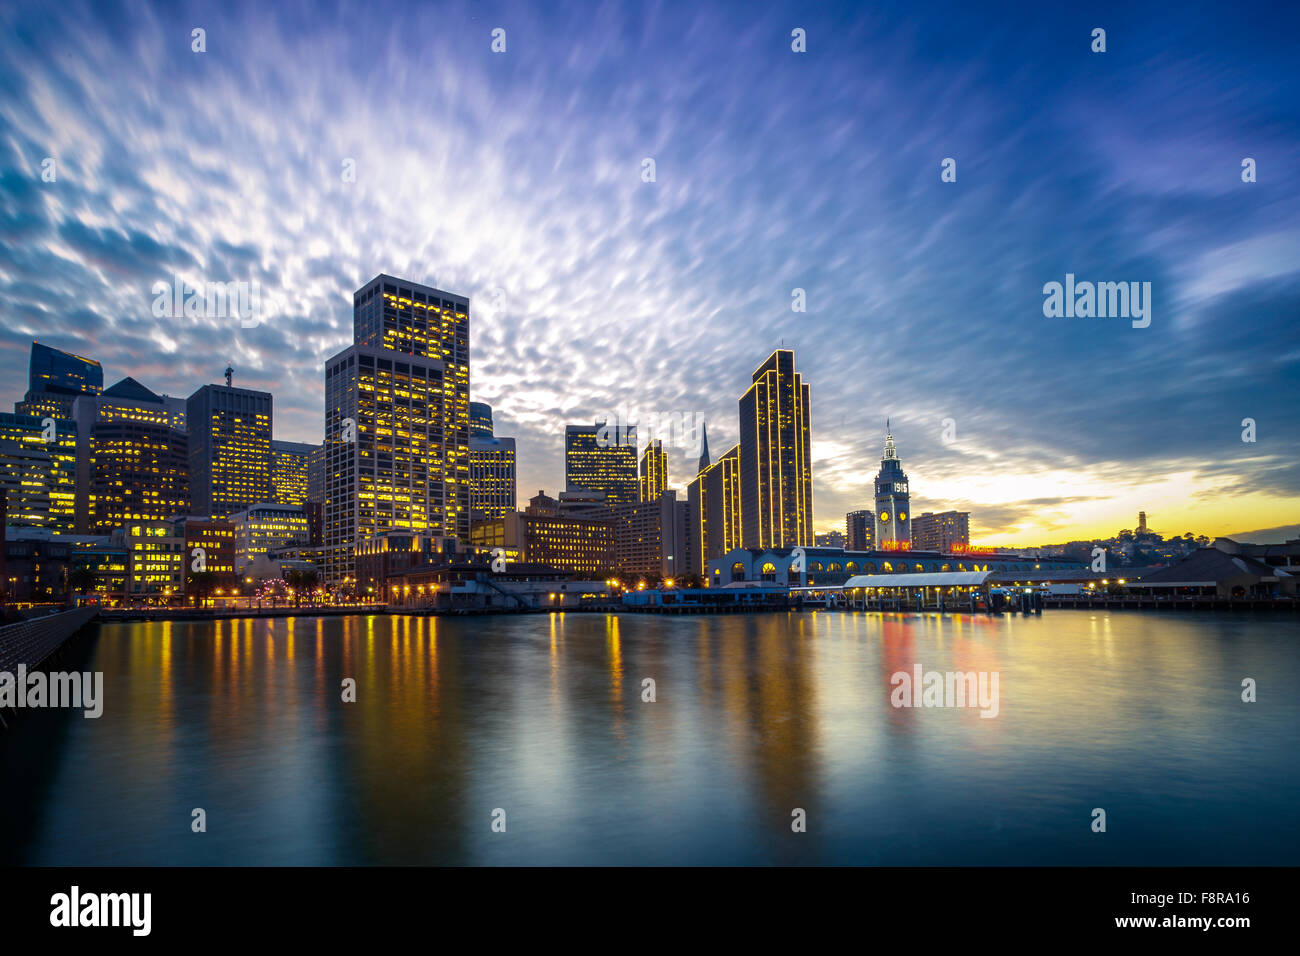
x=300, y=581
x=83, y=579
x=200, y=584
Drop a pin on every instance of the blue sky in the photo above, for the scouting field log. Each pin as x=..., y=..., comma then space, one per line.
x=516, y=178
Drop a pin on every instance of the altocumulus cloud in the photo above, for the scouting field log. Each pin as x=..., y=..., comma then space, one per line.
x=516, y=178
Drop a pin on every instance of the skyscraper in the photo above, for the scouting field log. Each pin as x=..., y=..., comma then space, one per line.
x=713, y=512
x=316, y=474
x=133, y=460
x=893, y=502
x=38, y=472
x=480, y=420
x=602, y=458
x=397, y=420
x=776, y=457
x=230, y=449
x=290, y=461
x=492, y=465
x=654, y=471
x=54, y=379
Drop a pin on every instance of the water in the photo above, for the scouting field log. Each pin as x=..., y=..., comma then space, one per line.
x=542, y=717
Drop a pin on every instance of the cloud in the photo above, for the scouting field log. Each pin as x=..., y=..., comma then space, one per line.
x=516, y=179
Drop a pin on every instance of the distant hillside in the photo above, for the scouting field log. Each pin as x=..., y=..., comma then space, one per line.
x=1267, y=535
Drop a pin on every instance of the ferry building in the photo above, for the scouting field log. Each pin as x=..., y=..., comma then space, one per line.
x=893, y=503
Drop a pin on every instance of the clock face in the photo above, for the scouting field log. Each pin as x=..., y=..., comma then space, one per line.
x=884, y=516
x=902, y=516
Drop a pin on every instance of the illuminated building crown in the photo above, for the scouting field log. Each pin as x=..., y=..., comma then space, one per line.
x=889, y=444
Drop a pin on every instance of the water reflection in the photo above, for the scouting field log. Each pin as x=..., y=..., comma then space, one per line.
x=755, y=716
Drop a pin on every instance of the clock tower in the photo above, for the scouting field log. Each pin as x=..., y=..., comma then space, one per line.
x=893, y=503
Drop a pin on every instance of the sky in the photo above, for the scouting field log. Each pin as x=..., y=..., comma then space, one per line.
x=519, y=178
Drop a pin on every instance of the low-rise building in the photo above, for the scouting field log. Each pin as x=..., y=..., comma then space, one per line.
x=474, y=586
x=265, y=527
x=834, y=566
x=1217, y=573
x=584, y=545
x=156, y=558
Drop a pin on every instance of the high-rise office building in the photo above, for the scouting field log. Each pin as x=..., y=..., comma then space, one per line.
x=713, y=512
x=492, y=464
x=941, y=532
x=860, y=530
x=893, y=500
x=38, y=472
x=290, y=462
x=316, y=474
x=602, y=458
x=397, y=420
x=654, y=470
x=480, y=420
x=230, y=449
x=132, y=458
x=776, y=457
x=55, y=378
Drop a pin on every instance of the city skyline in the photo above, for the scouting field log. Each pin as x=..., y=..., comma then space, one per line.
x=1064, y=428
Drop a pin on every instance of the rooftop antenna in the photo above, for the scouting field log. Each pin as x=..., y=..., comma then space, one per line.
x=229, y=374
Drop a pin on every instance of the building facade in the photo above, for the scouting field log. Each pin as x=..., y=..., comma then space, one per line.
x=55, y=379
x=393, y=551
x=581, y=545
x=492, y=469
x=38, y=472
x=860, y=530
x=316, y=475
x=133, y=459
x=654, y=471
x=209, y=553
x=480, y=420
x=602, y=458
x=157, y=562
x=945, y=531
x=776, y=457
x=397, y=421
x=266, y=527
x=650, y=537
x=230, y=449
x=830, y=567
x=290, y=467
x=713, y=512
